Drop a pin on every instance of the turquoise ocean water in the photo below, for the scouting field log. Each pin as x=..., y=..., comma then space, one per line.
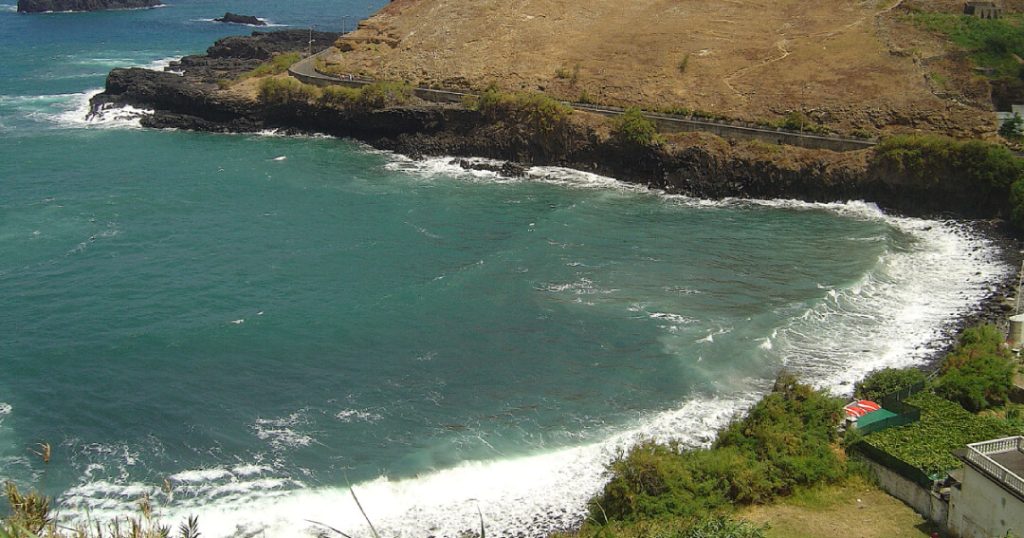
x=259, y=321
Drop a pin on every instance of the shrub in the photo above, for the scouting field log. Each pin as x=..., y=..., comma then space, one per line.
x=633, y=128
x=338, y=96
x=786, y=441
x=277, y=91
x=1011, y=128
x=986, y=171
x=384, y=94
x=536, y=111
x=887, y=381
x=978, y=373
x=683, y=64
x=981, y=383
x=928, y=157
x=275, y=66
x=975, y=342
x=573, y=76
x=30, y=511
x=945, y=426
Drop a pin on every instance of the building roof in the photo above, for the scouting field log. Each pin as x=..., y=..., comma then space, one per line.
x=1001, y=460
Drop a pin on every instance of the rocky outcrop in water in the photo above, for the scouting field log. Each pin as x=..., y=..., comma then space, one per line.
x=234, y=18
x=39, y=6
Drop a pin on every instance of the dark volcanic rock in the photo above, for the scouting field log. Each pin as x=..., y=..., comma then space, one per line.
x=703, y=170
x=235, y=18
x=234, y=55
x=39, y=6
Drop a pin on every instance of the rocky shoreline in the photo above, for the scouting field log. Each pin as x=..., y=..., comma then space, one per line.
x=188, y=96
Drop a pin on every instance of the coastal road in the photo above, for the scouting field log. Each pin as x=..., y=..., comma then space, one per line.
x=305, y=71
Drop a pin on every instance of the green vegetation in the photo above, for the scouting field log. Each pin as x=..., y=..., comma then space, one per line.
x=369, y=97
x=921, y=157
x=828, y=510
x=683, y=64
x=1011, y=128
x=798, y=121
x=536, y=111
x=991, y=43
x=976, y=375
x=989, y=170
x=31, y=517
x=29, y=511
x=338, y=96
x=275, y=66
x=384, y=94
x=785, y=442
x=279, y=91
x=707, y=527
x=979, y=372
x=573, y=75
x=634, y=129
x=944, y=427
x=585, y=99
x=887, y=381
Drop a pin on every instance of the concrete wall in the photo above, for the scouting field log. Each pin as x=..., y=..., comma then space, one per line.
x=925, y=502
x=980, y=508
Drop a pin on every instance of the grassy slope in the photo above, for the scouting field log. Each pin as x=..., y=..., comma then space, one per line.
x=744, y=58
x=854, y=509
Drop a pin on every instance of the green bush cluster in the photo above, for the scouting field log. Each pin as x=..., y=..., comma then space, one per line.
x=989, y=169
x=991, y=43
x=887, y=381
x=798, y=121
x=537, y=111
x=371, y=96
x=945, y=426
x=1011, y=128
x=279, y=91
x=787, y=440
x=634, y=129
x=978, y=373
x=384, y=94
x=275, y=66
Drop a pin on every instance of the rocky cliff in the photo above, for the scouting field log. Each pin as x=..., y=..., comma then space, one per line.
x=699, y=165
x=39, y=6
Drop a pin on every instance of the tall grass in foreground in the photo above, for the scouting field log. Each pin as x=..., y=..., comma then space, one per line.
x=32, y=517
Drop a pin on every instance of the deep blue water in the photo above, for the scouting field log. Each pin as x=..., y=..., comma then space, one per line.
x=259, y=332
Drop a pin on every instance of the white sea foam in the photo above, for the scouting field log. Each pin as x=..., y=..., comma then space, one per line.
x=536, y=493
x=357, y=415
x=8, y=8
x=72, y=110
x=281, y=433
x=199, y=475
x=5, y=409
x=448, y=167
x=887, y=318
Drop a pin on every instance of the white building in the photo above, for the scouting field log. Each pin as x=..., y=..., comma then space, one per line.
x=988, y=502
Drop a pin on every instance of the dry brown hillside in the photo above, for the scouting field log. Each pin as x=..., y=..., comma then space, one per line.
x=847, y=64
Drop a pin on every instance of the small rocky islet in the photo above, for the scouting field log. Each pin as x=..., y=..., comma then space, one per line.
x=235, y=18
